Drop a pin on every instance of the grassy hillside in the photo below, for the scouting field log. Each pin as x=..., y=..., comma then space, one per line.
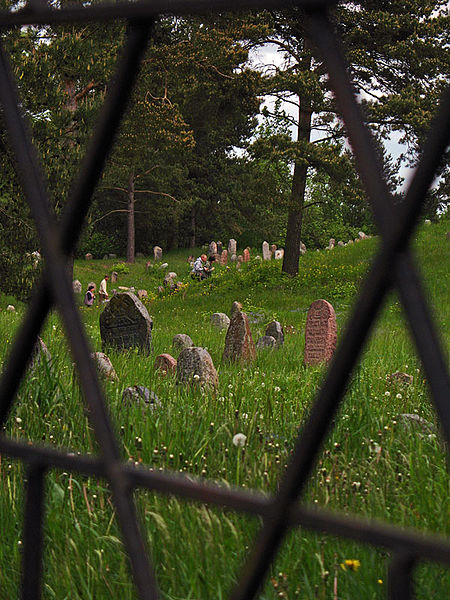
x=374, y=464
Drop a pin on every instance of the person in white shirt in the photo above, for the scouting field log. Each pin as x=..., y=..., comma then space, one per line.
x=102, y=292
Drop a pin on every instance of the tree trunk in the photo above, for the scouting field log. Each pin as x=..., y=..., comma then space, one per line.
x=297, y=200
x=131, y=233
x=193, y=240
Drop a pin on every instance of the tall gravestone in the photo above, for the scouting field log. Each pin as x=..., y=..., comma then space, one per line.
x=320, y=333
x=125, y=323
x=224, y=257
x=212, y=249
x=239, y=345
x=232, y=246
x=219, y=248
x=157, y=253
x=246, y=255
x=267, y=254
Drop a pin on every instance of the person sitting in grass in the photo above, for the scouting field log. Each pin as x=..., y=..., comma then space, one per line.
x=89, y=296
x=198, y=271
x=208, y=267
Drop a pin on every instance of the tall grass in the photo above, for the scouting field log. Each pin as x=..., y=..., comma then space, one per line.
x=374, y=464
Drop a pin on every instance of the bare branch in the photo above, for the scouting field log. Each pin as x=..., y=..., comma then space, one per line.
x=109, y=213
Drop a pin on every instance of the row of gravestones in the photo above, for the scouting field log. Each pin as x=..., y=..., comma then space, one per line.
x=125, y=323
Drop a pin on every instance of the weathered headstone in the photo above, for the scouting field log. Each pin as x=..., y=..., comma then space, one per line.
x=331, y=244
x=399, y=377
x=157, y=253
x=163, y=266
x=233, y=258
x=104, y=366
x=235, y=307
x=240, y=260
x=239, y=345
x=350, y=242
x=279, y=254
x=219, y=248
x=232, y=246
x=88, y=256
x=427, y=222
x=320, y=333
x=181, y=341
x=11, y=308
x=165, y=363
x=212, y=248
x=139, y=393
x=267, y=254
x=220, y=320
x=224, y=257
x=76, y=286
x=273, y=247
x=341, y=243
x=169, y=279
x=114, y=276
x=361, y=235
x=142, y=294
x=266, y=341
x=246, y=255
x=195, y=366
x=125, y=323
x=276, y=331
x=302, y=248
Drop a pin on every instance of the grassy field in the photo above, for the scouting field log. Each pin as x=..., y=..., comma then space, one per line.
x=373, y=464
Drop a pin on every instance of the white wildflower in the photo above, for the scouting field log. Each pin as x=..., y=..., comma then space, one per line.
x=239, y=439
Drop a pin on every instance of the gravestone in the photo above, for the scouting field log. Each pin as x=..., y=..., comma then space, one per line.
x=320, y=333
x=361, y=235
x=349, y=242
x=341, y=243
x=232, y=246
x=139, y=393
x=233, y=258
x=76, y=286
x=40, y=351
x=224, y=257
x=125, y=323
x=331, y=244
x=195, y=366
x=266, y=253
x=273, y=248
x=219, y=248
x=88, y=256
x=302, y=248
x=239, y=345
x=169, y=279
x=166, y=363
x=235, y=307
x=114, y=276
x=142, y=294
x=157, y=253
x=212, y=249
x=181, y=341
x=104, y=366
x=276, y=331
x=266, y=341
x=11, y=308
x=246, y=255
x=220, y=320
x=279, y=254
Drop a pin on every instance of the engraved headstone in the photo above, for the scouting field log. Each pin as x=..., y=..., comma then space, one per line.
x=224, y=257
x=157, y=253
x=267, y=254
x=104, y=366
x=233, y=258
x=266, y=341
x=139, y=393
x=246, y=255
x=276, y=331
x=212, y=249
x=219, y=248
x=302, y=248
x=220, y=320
x=76, y=286
x=125, y=323
x=279, y=254
x=341, y=243
x=195, y=366
x=239, y=345
x=320, y=333
x=166, y=363
x=232, y=246
x=181, y=341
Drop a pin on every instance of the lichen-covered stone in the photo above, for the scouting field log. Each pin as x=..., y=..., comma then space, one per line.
x=220, y=320
x=125, y=323
x=276, y=331
x=165, y=363
x=195, y=366
x=139, y=393
x=320, y=333
x=266, y=341
x=239, y=345
x=104, y=366
x=180, y=342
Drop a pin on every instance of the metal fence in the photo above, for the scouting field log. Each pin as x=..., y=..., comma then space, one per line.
x=393, y=267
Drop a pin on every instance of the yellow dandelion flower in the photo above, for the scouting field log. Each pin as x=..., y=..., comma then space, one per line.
x=351, y=564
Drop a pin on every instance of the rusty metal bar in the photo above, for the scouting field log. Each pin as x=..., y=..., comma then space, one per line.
x=400, y=580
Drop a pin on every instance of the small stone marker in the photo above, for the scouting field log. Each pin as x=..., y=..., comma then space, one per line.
x=139, y=393
x=104, y=366
x=169, y=279
x=276, y=331
x=181, y=341
x=279, y=254
x=239, y=345
x=273, y=248
x=267, y=341
x=246, y=255
x=142, y=294
x=331, y=244
x=76, y=286
x=166, y=363
x=320, y=333
x=157, y=253
x=341, y=243
x=114, y=276
x=267, y=254
x=220, y=320
x=302, y=248
x=163, y=266
x=403, y=378
x=350, y=242
x=235, y=307
x=232, y=246
x=11, y=308
x=195, y=366
x=125, y=323
x=427, y=222
x=88, y=256
x=40, y=351
x=361, y=235
x=224, y=257
x=233, y=258
x=219, y=248
x=212, y=249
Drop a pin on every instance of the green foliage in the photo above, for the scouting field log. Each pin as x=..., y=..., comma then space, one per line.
x=98, y=244
x=120, y=268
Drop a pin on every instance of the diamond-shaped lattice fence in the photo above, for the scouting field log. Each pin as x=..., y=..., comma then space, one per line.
x=393, y=267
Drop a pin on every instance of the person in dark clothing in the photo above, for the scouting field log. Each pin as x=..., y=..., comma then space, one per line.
x=89, y=296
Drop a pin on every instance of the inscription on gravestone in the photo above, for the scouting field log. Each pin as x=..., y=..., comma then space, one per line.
x=125, y=323
x=320, y=333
